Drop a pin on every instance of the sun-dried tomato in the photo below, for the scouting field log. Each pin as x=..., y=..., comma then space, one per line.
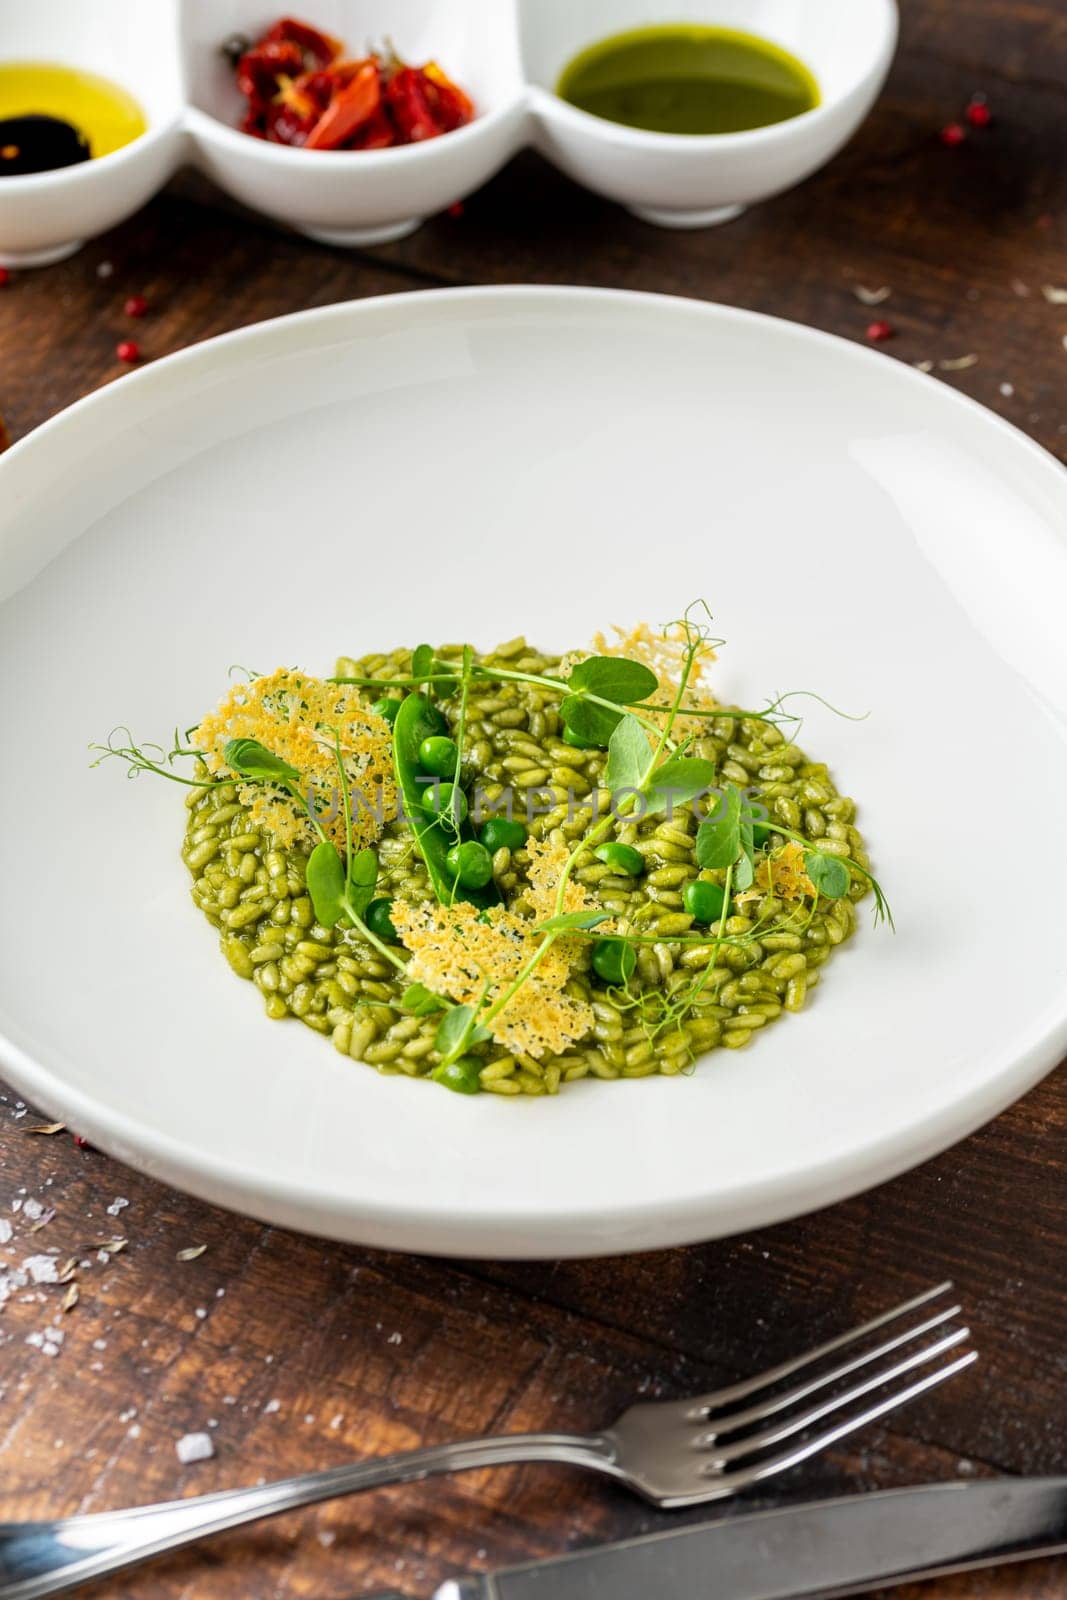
x=409, y=106
x=355, y=100
x=259, y=70
x=377, y=133
x=452, y=108
x=301, y=91
x=318, y=48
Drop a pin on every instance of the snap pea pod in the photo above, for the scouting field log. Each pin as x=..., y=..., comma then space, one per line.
x=417, y=720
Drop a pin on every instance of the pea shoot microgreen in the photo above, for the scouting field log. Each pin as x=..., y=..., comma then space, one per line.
x=419, y=1001
x=828, y=873
x=149, y=757
x=573, y=922
x=459, y=1030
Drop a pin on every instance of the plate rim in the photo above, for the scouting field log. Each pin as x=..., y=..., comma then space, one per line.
x=298, y=1204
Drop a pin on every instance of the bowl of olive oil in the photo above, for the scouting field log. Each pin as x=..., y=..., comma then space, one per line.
x=689, y=78
x=693, y=115
x=53, y=117
x=90, y=122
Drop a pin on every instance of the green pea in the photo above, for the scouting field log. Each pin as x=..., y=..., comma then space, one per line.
x=461, y=1076
x=500, y=833
x=387, y=708
x=470, y=864
x=614, y=960
x=704, y=901
x=445, y=800
x=621, y=857
x=437, y=755
x=380, y=922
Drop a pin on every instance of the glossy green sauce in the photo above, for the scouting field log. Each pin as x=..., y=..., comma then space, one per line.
x=684, y=78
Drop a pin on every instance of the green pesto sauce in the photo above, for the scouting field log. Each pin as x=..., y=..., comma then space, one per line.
x=685, y=78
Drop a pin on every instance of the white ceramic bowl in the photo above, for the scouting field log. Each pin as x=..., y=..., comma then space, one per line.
x=367, y=196
x=507, y=53
x=46, y=216
x=683, y=181
x=584, y=458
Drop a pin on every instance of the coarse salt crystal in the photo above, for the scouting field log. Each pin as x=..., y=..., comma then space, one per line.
x=271, y=1407
x=5, y=1230
x=42, y=1269
x=33, y=1209
x=117, y=1205
x=194, y=1447
x=47, y=1342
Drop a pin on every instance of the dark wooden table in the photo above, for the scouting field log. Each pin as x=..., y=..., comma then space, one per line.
x=293, y=1354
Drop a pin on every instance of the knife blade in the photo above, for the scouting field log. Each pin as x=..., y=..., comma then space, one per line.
x=826, y=1549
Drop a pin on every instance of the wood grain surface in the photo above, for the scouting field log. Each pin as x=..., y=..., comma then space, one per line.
x=293, y=1354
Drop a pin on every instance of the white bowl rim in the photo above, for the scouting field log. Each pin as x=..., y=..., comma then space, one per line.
x=754, y=1204
x=553, y=107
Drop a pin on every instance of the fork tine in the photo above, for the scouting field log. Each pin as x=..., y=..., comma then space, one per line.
x=733, y=1420
x=750, y=1443
x=704, y=1404
x=731, y=1482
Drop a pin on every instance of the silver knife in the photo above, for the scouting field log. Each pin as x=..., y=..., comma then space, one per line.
x=825, y=1550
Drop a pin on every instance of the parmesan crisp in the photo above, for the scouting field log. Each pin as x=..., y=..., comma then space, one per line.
x=469, y=954
x=548, y=858
x=297, y=717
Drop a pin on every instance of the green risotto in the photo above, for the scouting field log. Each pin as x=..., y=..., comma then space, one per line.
x=507, y=872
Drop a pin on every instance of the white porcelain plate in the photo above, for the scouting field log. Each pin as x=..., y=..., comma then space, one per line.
x=471, y=465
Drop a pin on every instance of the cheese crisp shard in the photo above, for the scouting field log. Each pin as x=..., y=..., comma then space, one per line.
x=297, y=718
x=548, y=857
x=471, y=955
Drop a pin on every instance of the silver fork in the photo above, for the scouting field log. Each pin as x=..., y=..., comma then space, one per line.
x=674, y=1453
